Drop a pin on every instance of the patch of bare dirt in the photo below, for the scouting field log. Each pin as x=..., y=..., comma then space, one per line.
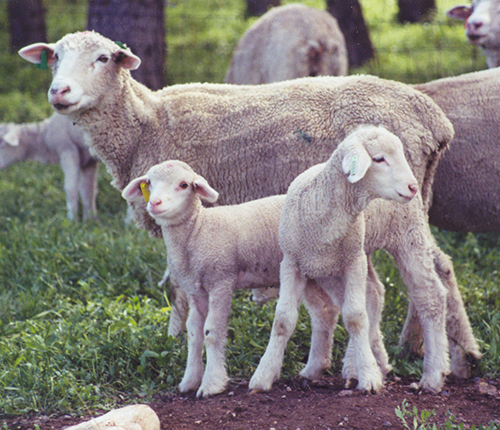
x=297, y=404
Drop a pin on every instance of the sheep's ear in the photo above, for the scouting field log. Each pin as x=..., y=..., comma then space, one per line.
x=459, y=12
x=205, y=191
x=133, y=192
x=11, y=138
x=356, y=163
x=126, y=59
x=33, y=53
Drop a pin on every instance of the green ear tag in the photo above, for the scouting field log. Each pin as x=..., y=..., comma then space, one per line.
x=145, y=191
x=43, y=61
x=354, y=164
x=122, y=45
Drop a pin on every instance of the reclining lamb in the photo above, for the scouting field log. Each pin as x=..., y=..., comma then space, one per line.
x=55, y=140
x=252, y=141
x=321, y=234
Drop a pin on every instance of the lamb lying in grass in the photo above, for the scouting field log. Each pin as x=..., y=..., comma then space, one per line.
x=211, y=251
x=55, y=140
x=321, y=234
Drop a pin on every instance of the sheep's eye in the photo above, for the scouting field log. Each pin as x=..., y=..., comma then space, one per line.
x=184, y=185
x=379, y=159
x=103, y=59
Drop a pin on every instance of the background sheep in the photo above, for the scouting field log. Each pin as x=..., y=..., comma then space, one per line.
x=482, y=27
x=251, y=141
x=55, y=140
x=211, y=252
x=288, y=42
x=321, y=234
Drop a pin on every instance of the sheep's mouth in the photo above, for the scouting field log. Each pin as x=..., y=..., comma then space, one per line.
x=62, y=107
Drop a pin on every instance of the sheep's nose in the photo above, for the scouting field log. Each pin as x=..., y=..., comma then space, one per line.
x=155, y=202
x=473, y=25
x=413, y=189
x=60, y=91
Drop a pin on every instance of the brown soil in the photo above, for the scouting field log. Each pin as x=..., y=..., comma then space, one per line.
x=297, y=404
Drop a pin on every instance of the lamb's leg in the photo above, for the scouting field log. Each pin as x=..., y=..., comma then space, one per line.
x=356, y=322
x=375, y=294
x=292, y=285
x=324, y=315
x=88, y=190
x=179, y=311
x=462, y=343
x=429, y=297
x=70, y=164
x=194, y=368
x=215, y=330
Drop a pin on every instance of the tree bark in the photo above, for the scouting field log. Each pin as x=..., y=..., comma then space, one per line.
x=26, y=23
x=140, y=24
x=415, y=10
x=350, y=18
x=260, y=7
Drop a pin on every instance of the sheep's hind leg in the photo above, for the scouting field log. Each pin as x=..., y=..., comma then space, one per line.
x=194, y=367
x=324, y=315
x=215, y=377
x=292, y=285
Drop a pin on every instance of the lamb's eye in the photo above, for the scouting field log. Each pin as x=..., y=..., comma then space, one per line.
x=379, y=159
x=184, y=185
x=103, y=59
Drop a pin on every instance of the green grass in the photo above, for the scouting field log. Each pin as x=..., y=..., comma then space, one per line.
x=82, y=321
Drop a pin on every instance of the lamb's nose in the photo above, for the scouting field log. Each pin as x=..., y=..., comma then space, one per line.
x=413, y=189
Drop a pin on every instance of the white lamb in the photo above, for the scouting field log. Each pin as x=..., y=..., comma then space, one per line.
x=55, y=140
x=321, y=234
x=210, y=252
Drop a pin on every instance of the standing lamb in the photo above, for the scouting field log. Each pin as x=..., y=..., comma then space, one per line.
x=55, y=140
x=211, y=252
x=321, y=234
x=251, y=141
x=289, y=42
x=482, y=27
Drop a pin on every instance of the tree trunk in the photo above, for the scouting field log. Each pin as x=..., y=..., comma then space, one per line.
x=350, y=18
x=260, y=7
x=416, y=10
x=140, y=24
x=26, y=23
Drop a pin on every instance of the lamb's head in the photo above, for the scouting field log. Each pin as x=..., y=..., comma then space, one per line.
x=375, y=158
x=482, y=22
x=86, y=67
x=10, y=148
x=172, y=191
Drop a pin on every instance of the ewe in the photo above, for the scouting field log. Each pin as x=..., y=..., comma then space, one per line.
x=210, y=252
x=321, y=234
x=482, y=27
x=55, y=140
x=252, y=141
x=289, y=42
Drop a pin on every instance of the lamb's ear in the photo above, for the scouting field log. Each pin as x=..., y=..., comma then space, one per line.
x=459, y=12
x=205, y=191
x=356, y=163
x=132, y=192
x=11, y=138
x=126, y=59
x=33, y=53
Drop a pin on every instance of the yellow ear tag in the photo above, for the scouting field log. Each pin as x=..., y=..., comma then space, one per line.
x=145, y=191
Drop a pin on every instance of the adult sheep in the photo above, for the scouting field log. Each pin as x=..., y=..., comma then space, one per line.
x=289, y=42
x=56, y=140
x=252, y=141
x=482, y=26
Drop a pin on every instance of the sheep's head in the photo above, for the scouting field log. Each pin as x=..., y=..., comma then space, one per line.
x=170, y=189
x=376, y=156
x=11, y=150
x=85, y=67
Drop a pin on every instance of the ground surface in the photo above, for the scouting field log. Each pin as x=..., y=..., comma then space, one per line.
x=294, y=404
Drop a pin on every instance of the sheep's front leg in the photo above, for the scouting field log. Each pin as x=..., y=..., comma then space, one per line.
x=429, y=298
x=356, y=321
x=292, y=285
x=324, y=315
x=198, y=308
x=215, y=377
x=88, y=190
x=70, y=164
